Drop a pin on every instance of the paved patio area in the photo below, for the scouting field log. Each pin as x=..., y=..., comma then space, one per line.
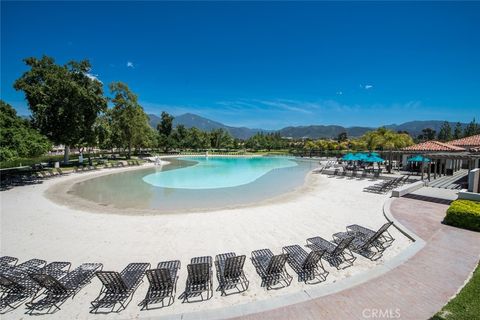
x=416, y=289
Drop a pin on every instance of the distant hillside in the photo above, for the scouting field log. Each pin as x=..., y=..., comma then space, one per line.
x=190, y=120
x=416, y=127
x=320, y=131
x=314, y=131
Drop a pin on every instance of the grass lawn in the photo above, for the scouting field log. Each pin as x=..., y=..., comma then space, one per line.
x=466, y=305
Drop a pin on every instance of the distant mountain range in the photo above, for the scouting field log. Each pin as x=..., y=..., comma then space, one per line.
x=189, y=120
x=192, y=120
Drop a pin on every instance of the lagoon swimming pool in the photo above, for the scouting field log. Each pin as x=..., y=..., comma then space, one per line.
x=218, y=172
x=197, y=183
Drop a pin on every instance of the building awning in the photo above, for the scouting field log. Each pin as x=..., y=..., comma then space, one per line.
x=453, y=155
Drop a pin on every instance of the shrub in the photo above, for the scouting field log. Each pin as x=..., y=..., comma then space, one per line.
x=464, y=214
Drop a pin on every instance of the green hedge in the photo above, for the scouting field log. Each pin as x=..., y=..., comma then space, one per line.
x=464, y=214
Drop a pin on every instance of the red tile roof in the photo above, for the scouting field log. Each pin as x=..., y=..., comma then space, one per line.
x=472, y=141
x=433, y=146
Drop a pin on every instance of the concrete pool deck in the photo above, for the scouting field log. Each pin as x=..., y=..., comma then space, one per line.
x=33, y=226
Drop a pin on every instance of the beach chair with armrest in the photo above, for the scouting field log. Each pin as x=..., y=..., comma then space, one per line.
x=368, y=243
x=271, y=268
x=18, y=286
x=199, y=279
x=308, y=266
x=163, y=284
x=230, y=272
x=384, y=236
x=7, y=260
x=337, y=255
x=118, y=287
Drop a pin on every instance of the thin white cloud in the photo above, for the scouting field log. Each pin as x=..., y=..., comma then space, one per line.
x=294, y=106
x=93, y=77
x=366, y=86
x=130, y=65
x=278, y=113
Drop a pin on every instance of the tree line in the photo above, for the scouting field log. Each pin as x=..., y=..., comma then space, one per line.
x=446, y=133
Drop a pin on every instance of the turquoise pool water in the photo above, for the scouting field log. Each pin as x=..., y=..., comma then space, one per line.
x=213, y=173
x=190, y=184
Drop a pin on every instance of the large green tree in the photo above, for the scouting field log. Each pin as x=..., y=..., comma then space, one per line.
x=471, y=129
x=103, y=131
x=445, y=133
x=165, y=128
x=18, y=139
x=267, y=141
x=427, y=134
x=129, y=121
x=457, y=132
x=386, y=140
x=197, y=139
x=65, y=100
x=221, y=139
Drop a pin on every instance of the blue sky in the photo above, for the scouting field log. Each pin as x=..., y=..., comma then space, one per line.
x=267, y=64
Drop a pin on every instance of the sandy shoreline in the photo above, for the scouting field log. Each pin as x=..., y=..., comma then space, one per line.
x=60, y=193
x=34, y=226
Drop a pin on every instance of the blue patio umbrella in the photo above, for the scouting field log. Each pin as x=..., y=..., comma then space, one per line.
x=374, y=159
x=361, y=156
x=350, y=157
x=418, y=158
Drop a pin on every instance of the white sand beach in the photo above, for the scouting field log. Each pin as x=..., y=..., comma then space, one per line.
x=34, y=226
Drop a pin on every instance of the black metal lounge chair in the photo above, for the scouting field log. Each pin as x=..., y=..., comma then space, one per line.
x=18, y=286
x=230, y=273
x=7, y=260
x=58, y=290
x=17, y=272
x=118, y=288
x=271, y=268
x=384, y=236
x=370, y=245
x=15, y=292
x=337, y=255
x=199, y=279
x=383, y=186
x=308, y=266
x=163, y=284
x=23, y=269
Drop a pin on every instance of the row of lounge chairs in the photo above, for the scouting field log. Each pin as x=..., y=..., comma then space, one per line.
x=48, y=286
x=361, y=174
x=34, y=176
x=26, y=177
x=85, y=168
x=120, y=164
x=388, y=185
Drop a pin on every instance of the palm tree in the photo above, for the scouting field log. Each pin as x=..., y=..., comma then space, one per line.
x=385, y=139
